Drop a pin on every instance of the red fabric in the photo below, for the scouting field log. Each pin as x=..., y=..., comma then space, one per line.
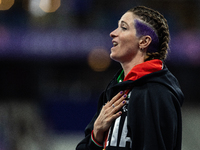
x=95, y=142
x=139, y=71
x=143, y=69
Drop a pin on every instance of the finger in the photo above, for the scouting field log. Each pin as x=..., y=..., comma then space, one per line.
x=118, y=107
x=119, y=103
x=113, y=110
x=116, y=115
x=122, y=98
x=116, y=97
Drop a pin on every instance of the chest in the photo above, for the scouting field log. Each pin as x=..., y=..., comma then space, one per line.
x=119, y=135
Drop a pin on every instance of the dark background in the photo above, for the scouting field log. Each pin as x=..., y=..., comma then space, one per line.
x=50, y=81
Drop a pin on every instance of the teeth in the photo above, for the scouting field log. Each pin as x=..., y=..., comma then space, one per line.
x=115, y=44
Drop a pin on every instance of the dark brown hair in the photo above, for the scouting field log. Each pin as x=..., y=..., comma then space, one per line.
x=160, y=25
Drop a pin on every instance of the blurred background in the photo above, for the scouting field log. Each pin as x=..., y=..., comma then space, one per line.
x=54, y=64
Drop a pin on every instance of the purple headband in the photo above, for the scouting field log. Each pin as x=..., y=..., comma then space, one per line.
x=143, y=29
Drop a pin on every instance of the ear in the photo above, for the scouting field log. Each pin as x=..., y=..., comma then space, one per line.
x=144, y=42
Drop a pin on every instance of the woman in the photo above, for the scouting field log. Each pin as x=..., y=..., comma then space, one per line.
x=141, y=107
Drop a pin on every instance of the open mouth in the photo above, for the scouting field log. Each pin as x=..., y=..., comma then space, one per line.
x=115, y=44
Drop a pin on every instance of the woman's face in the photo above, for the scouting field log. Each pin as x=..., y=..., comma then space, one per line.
x=125, y=43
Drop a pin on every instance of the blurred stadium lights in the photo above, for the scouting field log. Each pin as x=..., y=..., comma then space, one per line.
x=35, y=7
x=98, y=59
x=77, y=32
x=41, y=7
x=64, y=44
x=71, y=33
x=185, y=48
x=49, y=6
x=6, y=4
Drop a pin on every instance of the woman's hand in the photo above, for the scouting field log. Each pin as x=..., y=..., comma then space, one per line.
x=109, y=112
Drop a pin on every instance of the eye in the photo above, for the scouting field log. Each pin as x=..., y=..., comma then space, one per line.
x=123, y=28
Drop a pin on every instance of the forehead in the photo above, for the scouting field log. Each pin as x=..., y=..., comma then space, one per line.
x=128, y=17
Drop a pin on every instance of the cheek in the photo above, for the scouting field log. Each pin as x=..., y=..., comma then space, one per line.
x=130, y=43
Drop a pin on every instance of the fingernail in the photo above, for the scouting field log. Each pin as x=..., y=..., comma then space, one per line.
x=124, y=95
x=121, y=92
x=124, y=102
x=120, y=113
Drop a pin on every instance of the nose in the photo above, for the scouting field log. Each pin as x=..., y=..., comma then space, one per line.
x=113, y=33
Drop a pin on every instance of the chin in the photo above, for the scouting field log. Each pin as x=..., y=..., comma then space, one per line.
x=113, y=57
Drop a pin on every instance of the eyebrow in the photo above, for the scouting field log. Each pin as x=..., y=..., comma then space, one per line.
x=123, y=22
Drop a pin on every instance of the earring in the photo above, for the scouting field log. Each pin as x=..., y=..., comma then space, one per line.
x=142, y=49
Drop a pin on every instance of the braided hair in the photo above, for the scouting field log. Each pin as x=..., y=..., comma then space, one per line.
x=160, y=26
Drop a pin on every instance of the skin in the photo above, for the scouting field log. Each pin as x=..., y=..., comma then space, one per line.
x=107, y=115
x=128, y=53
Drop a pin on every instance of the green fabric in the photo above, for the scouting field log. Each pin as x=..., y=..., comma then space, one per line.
x=120, y=77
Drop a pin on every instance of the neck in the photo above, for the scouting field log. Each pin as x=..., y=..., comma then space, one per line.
x=127, y=66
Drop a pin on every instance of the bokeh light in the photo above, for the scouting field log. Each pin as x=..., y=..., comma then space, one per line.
x=98, y=59
x=6, y=4
x=54, y=59
x=49, y=6
x=34, y=9
x=39, y=8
